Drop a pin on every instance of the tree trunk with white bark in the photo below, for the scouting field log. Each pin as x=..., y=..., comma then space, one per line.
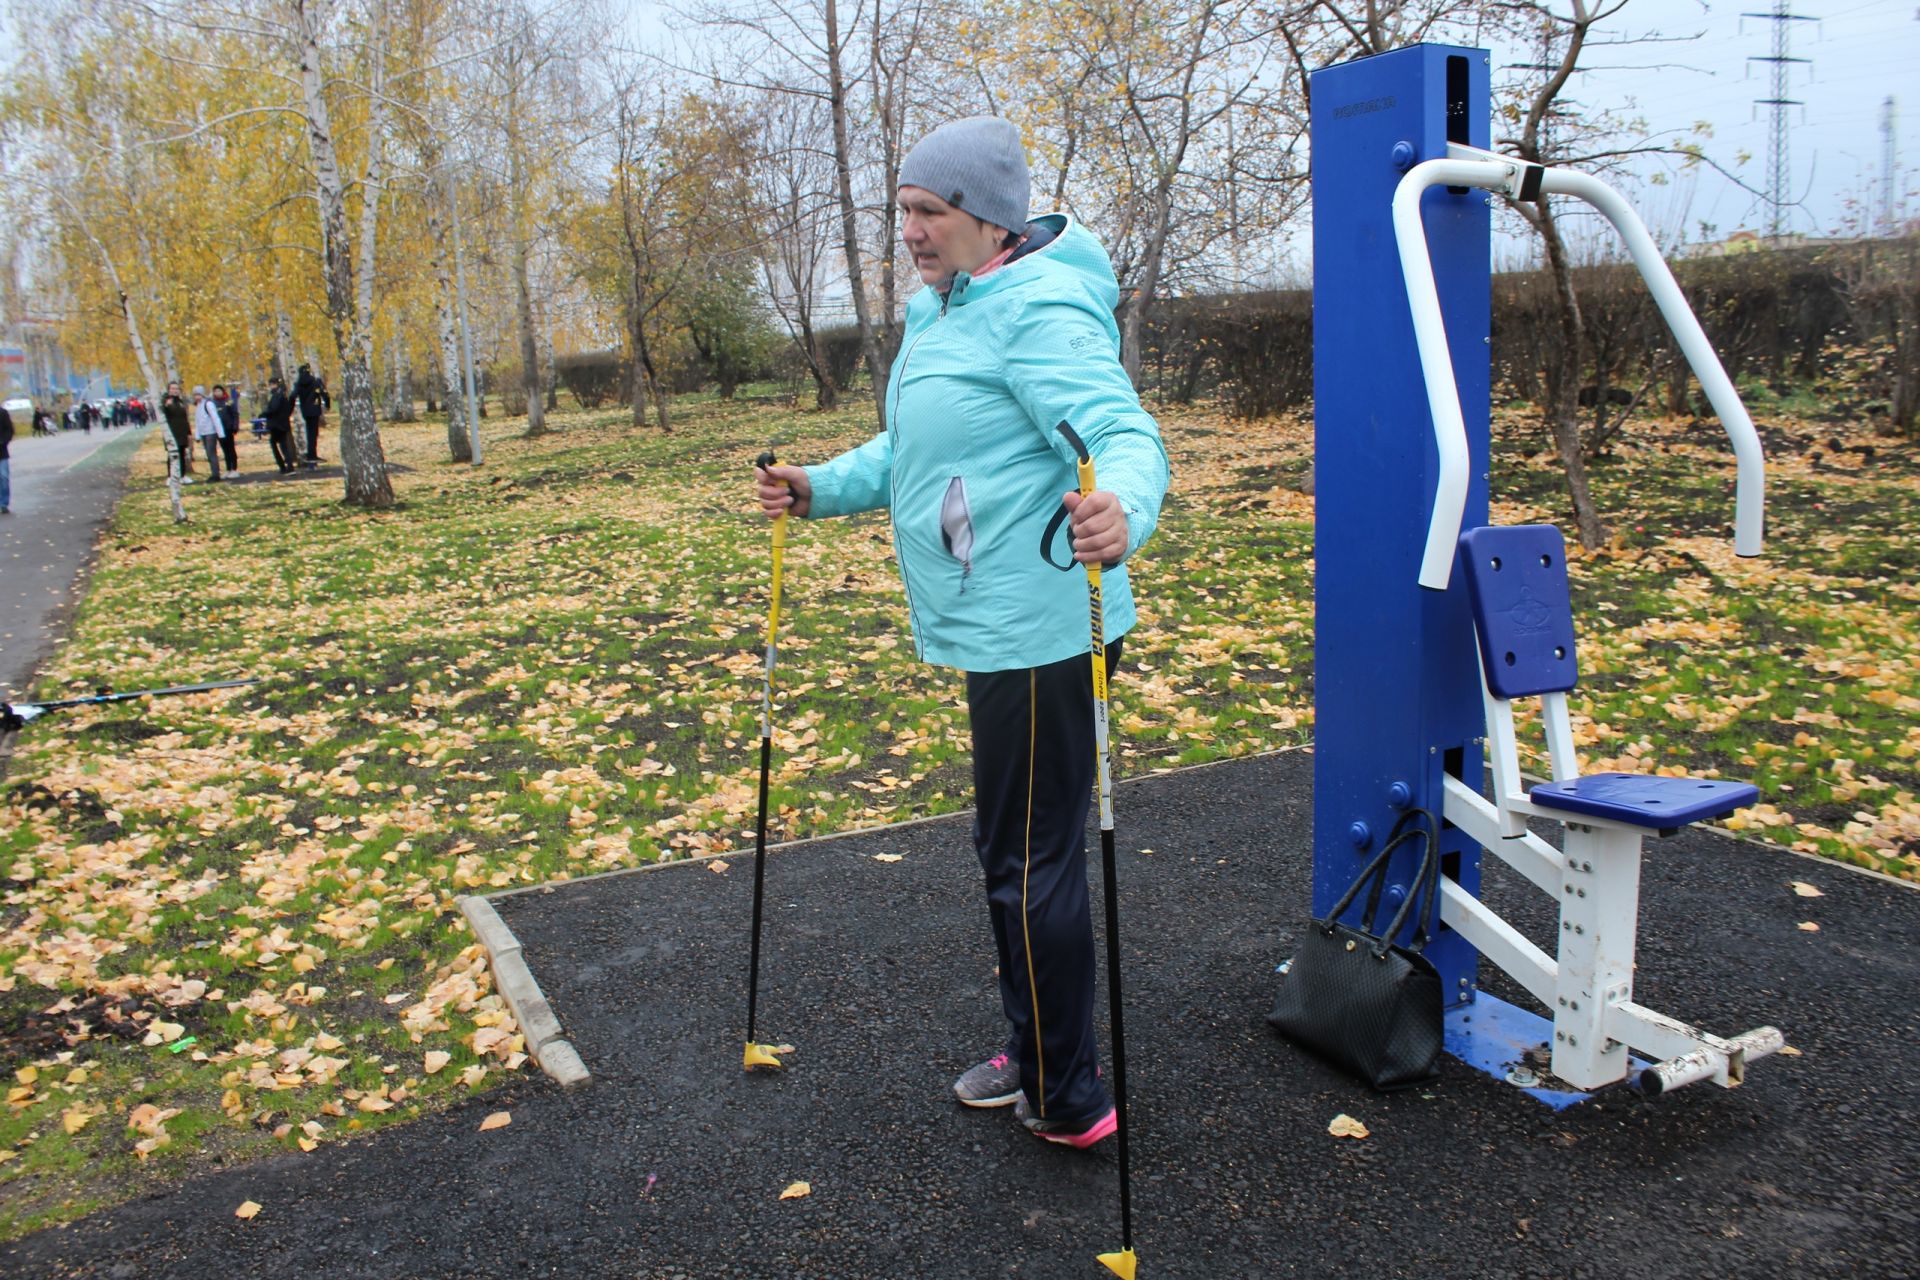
x=361, y=455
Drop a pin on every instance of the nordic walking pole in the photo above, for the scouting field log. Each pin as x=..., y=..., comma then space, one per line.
x=1123, y=1262
x=16, y=715
x=760, y=1055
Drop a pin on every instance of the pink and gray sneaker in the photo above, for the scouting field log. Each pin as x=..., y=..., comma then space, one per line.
x=1078, y=1134
x=993, y=1083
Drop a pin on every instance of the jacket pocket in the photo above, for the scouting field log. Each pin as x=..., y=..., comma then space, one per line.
x=956, y=526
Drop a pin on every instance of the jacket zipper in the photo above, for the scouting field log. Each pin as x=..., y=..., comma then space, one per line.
x=893, y=429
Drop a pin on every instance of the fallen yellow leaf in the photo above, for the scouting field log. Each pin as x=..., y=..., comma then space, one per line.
x=1787, y=1050
x=498, y=1120
x=27, y=1075
x=797, y=1190
x=247, y=1210
x=718, y=865
x=437, y=1059
x=160, y=1032
x=326, y=1043
x=74, y=1119
x=887, y=857
x=1808, y=926
x=1345, y=1126
x=1806, y=890
x=148, y=1118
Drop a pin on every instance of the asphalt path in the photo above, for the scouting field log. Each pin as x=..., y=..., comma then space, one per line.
x=671, y=1162
x=65, y=488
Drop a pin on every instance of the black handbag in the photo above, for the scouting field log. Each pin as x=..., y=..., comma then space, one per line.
x=1356, y=999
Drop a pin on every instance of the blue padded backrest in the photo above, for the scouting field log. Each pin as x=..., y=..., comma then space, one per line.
x=1517, y=588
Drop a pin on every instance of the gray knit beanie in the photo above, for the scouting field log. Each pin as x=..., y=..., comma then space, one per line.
x=977, y=165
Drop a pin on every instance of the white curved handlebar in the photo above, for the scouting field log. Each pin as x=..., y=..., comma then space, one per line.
x=1502, y=173
x=1436, y=361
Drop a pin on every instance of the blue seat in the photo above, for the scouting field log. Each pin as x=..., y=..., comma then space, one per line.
x=1660, y=804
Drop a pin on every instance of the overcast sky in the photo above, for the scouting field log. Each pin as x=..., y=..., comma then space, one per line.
x=1860, y=52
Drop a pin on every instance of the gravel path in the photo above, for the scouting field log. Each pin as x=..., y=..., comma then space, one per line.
x=671, y=1162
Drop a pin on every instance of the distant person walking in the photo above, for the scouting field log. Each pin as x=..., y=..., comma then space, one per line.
x=173, y=407
x=6, y=462
x=279, y=419
x=207, y=427
x=229, y=410
x=310, y=392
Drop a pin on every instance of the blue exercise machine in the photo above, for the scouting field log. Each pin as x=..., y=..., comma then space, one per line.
x=1428, y=623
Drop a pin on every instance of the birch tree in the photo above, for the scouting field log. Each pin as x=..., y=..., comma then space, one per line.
x=348, y=276
x=529, y=84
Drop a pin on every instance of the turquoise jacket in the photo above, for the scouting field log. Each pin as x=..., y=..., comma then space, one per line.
x=971, y=468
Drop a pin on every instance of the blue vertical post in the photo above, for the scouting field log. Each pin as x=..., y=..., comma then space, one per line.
x=1396, y=688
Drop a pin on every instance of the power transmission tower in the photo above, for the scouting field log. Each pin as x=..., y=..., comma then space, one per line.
x=1889, y=167
x=1779, y=172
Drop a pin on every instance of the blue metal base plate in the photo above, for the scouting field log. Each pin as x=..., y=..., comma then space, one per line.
x=1494, y=1037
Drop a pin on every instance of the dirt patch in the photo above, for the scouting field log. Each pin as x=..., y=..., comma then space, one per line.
x=30, y=1032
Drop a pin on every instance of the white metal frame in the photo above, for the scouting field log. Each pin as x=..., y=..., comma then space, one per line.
x=1587, y=984
x=1472, y=167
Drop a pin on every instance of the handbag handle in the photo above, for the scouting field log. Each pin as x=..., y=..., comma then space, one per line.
x=1424, y=889
x=1396, y=837
x=1376, y=871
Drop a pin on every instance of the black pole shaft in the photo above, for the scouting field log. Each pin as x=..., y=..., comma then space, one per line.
x=759, y=887
x=765, y=460
x=1119, y=1035
x=97, y=699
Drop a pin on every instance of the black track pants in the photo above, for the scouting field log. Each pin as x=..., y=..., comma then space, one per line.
x=281, y=440
x=1033, y=768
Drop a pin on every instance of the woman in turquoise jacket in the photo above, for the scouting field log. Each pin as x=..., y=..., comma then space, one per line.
x=1013, y=335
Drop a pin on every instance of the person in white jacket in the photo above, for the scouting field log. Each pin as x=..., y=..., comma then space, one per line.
x=208, y=428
